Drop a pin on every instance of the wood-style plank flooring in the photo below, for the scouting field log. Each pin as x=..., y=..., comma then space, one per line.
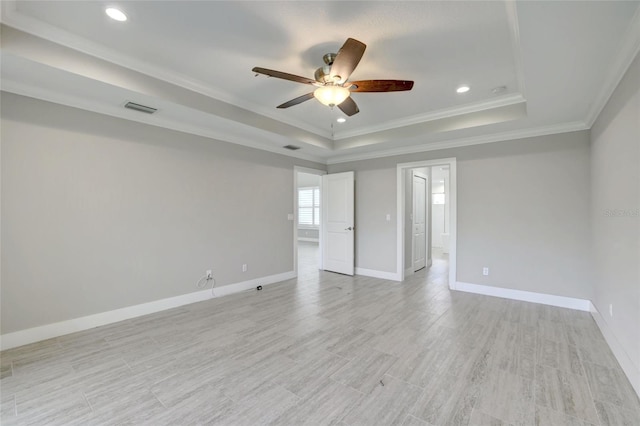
x=328, y=349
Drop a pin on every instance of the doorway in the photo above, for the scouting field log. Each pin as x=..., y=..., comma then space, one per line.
x=440, y=212
x=307, y=233
x=405, y=234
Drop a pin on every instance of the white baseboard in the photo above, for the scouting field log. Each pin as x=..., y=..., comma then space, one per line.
x=250, y=284
x=36, y=334
x=377, y=274
x=525, y=296
x=630, y=369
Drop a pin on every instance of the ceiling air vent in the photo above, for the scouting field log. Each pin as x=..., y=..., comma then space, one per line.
x=141, y=108
x=291, y=147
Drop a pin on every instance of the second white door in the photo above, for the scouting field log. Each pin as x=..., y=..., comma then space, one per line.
x=419, y=221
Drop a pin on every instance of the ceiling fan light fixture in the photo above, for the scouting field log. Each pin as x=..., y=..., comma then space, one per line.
x=331, y=95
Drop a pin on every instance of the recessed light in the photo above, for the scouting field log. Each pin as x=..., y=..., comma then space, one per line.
x=341, y=119
x=463, y=89
x=116, y=14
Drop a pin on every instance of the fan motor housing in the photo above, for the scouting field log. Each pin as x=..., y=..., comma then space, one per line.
x=322, y=74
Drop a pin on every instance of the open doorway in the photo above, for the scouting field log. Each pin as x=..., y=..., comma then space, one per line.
x=440, y=206
x=307, y=230
x=441, y=195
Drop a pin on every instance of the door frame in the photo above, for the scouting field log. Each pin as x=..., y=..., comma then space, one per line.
x=296, y=170
x=427, y=201
x=401, y=170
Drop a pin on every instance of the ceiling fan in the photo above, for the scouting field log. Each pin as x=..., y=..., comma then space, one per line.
x=331, y=80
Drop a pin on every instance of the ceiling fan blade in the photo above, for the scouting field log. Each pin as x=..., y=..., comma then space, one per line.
x=296, y=101
x=347, y=59
x=380, y=85
x=349, y=107
x=284, y=75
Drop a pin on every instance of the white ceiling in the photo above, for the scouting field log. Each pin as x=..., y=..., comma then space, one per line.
x=558, y=60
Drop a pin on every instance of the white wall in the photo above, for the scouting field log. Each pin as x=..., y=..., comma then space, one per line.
x=100, y=213
x=522, y=211
x=615, y=216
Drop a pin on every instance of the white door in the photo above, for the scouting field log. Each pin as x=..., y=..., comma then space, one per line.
x=419, y=221
x=338, y=222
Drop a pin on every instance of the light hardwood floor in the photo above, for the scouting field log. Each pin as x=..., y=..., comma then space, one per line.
x=328, y=349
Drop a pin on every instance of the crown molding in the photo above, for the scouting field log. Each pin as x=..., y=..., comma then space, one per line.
x=157, y=121
x=456, y=143
x=625, y=55
x=497, y=102
x=516, y=50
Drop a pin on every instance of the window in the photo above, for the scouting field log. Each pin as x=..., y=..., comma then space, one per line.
x=309, y=207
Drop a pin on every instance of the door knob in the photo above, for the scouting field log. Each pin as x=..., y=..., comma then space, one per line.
x=348, y=229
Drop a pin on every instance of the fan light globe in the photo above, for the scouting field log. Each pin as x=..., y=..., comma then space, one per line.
x=331, y=95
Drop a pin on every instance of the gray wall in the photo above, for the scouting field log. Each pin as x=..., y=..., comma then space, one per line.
x=615, y=212
x=100, y=213
x=522, y=211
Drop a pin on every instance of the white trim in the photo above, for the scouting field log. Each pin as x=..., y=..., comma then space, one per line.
x=497, y=102
x=400, y=198
x=631, y=370
x=573, y=126
x=377, y=274
x=36, y=334
x=248, y=285
x=525, y=296
x=516, y=49
x=621, y=62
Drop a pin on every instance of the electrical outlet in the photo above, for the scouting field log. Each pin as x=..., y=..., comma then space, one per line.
x=209, y=274
x=611, y=310
x=244, y=267
x=485, y=271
